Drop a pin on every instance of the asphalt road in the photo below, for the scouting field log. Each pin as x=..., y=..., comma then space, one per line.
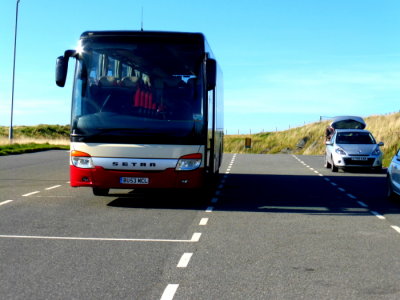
x=276, y=227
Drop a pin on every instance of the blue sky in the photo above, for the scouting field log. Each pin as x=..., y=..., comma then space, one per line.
x=285, y=62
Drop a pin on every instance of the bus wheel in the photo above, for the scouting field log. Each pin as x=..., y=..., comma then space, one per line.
x=100, y=192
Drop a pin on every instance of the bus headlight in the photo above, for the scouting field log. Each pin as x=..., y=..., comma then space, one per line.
x=189, y=162
x=81, y=160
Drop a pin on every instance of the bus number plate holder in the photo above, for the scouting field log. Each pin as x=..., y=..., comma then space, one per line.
x=134, y=180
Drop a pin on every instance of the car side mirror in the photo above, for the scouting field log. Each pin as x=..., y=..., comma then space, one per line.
x=381, y=144
x=329, y=143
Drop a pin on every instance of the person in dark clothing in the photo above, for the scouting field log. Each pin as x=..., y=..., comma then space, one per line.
x=329, y=133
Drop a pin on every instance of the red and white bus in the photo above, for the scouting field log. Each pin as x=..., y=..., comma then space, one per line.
x=147, y=110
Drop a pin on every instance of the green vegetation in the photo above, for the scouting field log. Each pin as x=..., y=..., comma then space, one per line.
x=39, y=131
x=310, y=139
x=28, y=148
x=34, y=138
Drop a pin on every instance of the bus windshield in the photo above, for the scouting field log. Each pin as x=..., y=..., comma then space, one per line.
x=138, y=90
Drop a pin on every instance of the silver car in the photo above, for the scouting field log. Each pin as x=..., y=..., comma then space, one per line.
x=393, y=177
x=352, y=148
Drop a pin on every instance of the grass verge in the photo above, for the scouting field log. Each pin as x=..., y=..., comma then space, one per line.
x=29, y=148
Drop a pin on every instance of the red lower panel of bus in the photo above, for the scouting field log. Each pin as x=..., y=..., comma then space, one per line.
x=101, y=178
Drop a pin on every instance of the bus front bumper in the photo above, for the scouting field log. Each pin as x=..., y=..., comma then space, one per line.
x=101, y=178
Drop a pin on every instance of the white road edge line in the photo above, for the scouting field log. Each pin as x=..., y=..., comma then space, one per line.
x=184, y=261
x=195, y=238
x=52, y=187
x=169, y=292
x=30, y=194
x=5, y=202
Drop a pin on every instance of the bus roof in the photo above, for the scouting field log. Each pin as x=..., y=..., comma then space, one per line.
x=127, y=33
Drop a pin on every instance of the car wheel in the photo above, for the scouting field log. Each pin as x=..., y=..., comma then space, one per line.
x=334, y=168
x=100, y=191
x=391, y=195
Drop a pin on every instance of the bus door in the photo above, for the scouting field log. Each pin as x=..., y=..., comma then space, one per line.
x=211, y=131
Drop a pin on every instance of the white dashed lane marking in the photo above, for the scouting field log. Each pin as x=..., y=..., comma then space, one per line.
x=209, y=209
x=362, y=204
x=52, y=187
x=184, y=261
x=378, y=215
x=5, y=202
x=169, y=292
x=397, y=228
x=30, y=194
x=203, y=221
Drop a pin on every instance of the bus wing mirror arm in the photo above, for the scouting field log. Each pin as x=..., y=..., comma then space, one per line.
x=211, y=72
x=62, y=67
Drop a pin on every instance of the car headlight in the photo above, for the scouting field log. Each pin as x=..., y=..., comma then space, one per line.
x=340, y=151
x=377, y=151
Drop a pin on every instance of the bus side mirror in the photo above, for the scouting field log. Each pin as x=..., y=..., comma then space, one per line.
x=61, y=70
x=62, y=67
x=211, y=73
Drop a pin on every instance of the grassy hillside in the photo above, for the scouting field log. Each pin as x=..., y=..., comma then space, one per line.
x=309, y=139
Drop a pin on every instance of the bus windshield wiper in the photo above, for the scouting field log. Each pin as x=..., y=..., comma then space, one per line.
x=116, y=131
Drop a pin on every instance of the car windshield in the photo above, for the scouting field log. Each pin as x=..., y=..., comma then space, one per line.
x=138, y=90
x=354, y=138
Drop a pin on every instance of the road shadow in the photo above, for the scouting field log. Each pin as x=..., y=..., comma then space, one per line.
x=163, y=199
x=363, y=171
x=273, y=193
